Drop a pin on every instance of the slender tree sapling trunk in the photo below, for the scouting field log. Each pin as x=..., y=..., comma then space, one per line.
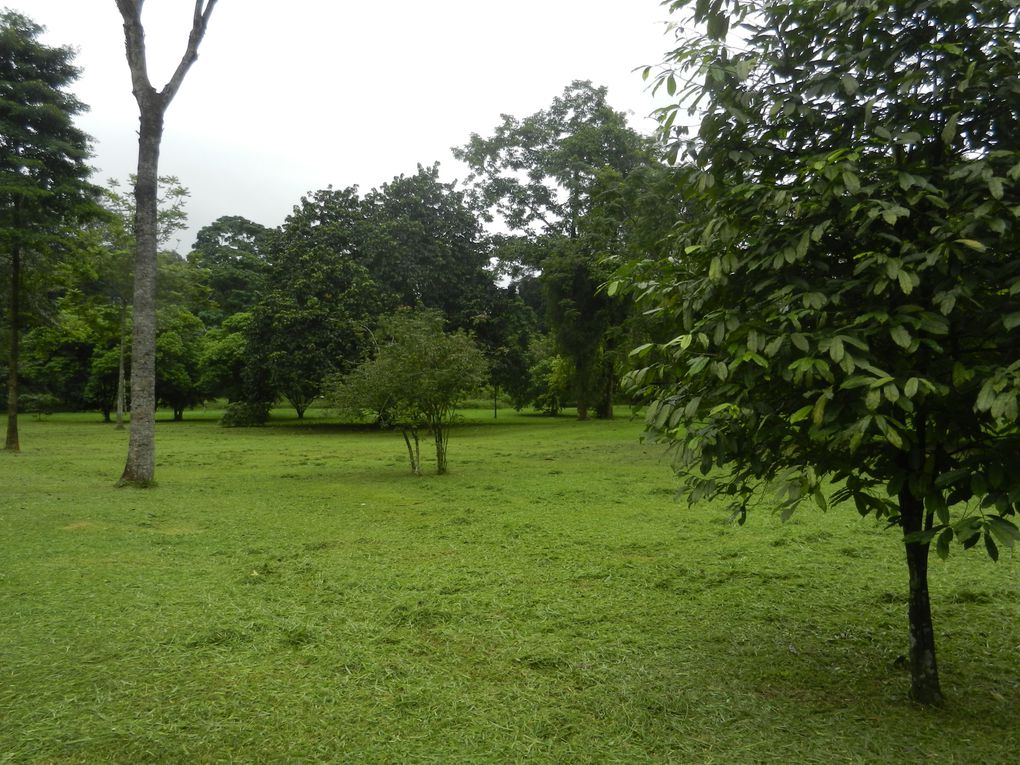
x=12, y=444
x=924, y=673
x=413, y=451
x=442, y=434
x=140, y=469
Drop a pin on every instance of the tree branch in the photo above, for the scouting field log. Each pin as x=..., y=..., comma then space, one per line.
x=134, y=42
x=199, y=24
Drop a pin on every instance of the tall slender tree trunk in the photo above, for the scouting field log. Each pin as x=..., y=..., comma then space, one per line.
x=121, y=379
x=12, y=444
x=924, y=674
x=605, y=407
x=583, y=388
x=140, y=469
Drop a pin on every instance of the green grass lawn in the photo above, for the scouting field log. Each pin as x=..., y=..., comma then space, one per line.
x=293, y=594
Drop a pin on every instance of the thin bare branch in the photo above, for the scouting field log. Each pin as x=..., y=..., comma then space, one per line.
x=200, y=23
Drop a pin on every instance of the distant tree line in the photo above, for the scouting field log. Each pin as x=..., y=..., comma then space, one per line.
x=257, y=316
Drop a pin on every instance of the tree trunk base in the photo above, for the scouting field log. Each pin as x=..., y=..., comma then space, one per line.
x=924, y=673
x=131, y=483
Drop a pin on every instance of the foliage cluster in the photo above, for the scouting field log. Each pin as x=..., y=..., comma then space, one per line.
x=415, y=381
x=842, y=290
x=555, y=178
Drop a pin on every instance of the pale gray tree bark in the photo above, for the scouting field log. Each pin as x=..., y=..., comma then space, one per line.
x=140, y=469
x=121, y=378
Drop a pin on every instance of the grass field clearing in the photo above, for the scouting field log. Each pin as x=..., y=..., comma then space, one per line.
x=294, y=594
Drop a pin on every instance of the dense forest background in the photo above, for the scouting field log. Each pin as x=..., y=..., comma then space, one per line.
x=515, y=256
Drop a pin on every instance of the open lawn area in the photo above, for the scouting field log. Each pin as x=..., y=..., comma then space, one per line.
x=293, y=594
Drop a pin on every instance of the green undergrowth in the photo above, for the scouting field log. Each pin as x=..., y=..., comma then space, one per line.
x=293, y=594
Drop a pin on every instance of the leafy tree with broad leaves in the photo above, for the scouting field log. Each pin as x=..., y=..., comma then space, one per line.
x=540, y=174
x=551, y=377
x=848, y=302
x=57, y=354
x=311, y=320
x=504, y=328
x=585, y=323
x=419, y=375
x=102, y=389
x=424, y=246
x=231, y=250
x=44, y=169
x=376, y=389
x=179, y=347
x=223, y=359
x=593, y=328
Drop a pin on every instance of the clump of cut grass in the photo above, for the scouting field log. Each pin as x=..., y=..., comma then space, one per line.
x=292, y=593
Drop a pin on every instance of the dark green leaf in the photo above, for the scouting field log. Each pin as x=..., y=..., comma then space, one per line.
x=995, y=187
x=949, y=131
x=951, y=477
x=901, y=336
x=942, y=545
x=1005, y=531
x=991, y=547
x=972, y=244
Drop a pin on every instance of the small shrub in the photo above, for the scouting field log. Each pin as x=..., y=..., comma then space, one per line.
x=245, y=414
x=38, y=404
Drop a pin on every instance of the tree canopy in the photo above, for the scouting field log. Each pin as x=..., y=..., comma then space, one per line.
x=538, y=172
x=424, y=246
x=543, y=175
x=311, y=319
x=232, y=249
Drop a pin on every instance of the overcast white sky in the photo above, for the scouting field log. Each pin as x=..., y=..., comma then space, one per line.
x=287, y=98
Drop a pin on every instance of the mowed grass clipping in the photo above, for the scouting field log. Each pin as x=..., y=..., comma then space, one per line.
x=293, y=594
